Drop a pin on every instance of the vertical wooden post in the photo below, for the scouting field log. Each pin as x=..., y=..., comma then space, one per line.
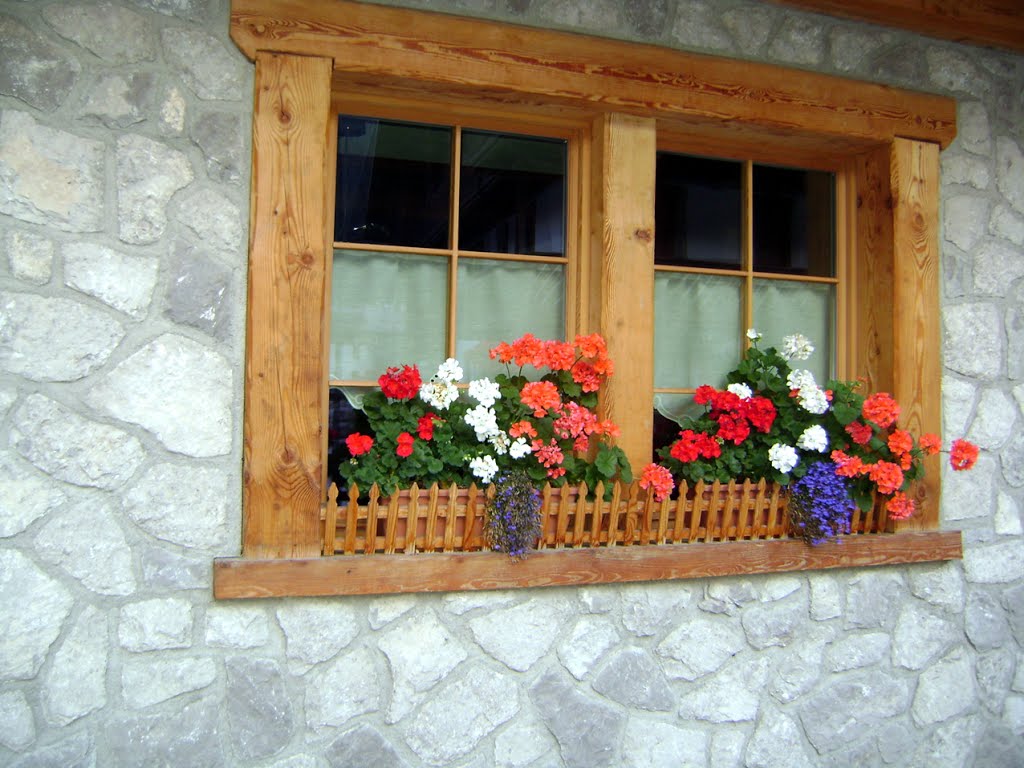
x=871, y=296
x=917, y=357
x=624, y=153
x=284, y=377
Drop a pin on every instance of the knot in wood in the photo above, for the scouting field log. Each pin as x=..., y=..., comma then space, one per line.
x=644, y=234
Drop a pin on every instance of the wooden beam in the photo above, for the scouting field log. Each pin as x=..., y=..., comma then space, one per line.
x=378, y=574
x=917, y=350
x=624, y=157
x=996, y=23
x=284, y=376
x=500, y=60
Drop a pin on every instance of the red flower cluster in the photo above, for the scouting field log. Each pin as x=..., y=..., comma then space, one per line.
x=551, y=456
x=405, y=444
x=692, y=445
x=859, y=433
x=358, y=444
x=542, y=396
x=425, y=426
x=400, y=383
x=735, y=417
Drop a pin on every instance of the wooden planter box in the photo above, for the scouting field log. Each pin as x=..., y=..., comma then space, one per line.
x=452, y=519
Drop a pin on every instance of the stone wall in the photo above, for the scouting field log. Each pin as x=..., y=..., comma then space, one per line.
x=124, y=183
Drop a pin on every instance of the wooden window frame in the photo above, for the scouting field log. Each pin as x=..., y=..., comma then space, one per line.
x=305, y=51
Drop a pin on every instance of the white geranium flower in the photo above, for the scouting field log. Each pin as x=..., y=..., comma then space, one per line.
x=783, y=457
x=484, y=391
x=814, y=438
x=742, y=391
x=500, y=442
x=520, y=448
x=450, y=371
x=813, y=400
x=439, y=394
x=484, y=467
x=484, y=421
x=752, y=334
x=801, y=378
x=797, y=347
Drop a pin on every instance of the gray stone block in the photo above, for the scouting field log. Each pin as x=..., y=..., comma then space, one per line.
x=32, y=68
x=190, y=736
x=116, y=35
x=632, y=678
x=589, y=732
x=259, y=708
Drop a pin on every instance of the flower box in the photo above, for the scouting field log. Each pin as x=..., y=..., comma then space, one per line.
x=452, y=519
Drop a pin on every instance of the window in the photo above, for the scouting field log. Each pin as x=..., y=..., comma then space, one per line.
x=739, y=245
x=447, y=240
x=881, y=143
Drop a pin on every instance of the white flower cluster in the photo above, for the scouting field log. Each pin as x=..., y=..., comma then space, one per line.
x=811, y=396
x=753, y=334
x=742, y=391
x=484, y=422
x=440, y=392
x=484, y=391
x=814, y=438
x=783, y=457
x=484, y=467
x=797, y=347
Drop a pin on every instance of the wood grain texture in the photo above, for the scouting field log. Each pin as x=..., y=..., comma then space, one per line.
x=996, y=23
x=284, y=376
x=872, y=275
x=625, y=151
x=494, y=60
x=358, y=575
x=917, y=351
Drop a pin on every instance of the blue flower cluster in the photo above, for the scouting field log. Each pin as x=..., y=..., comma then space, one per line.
x=513, y=515
x=820, y=505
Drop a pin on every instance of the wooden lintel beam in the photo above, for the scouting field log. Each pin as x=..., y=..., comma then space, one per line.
x=465, y=55
x=995, y=23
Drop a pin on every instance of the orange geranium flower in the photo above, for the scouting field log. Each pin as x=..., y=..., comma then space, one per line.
x=901, y=442
x=963, y=454
x=556, y=355
x=658, y=479
x=900, y=506
x=521, y=428
x=542, y=396
x=847, y=466
x=881, y=409
x=930, y=443
x=887, y=476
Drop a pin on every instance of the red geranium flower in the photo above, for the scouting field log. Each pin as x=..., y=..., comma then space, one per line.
x=930, y=443
x=900, y=506
x=860, y=433
x=358, y=444
x=887, y=476
x=425, y=426
x=658, y=479
x=400, y=383
x=405, y=442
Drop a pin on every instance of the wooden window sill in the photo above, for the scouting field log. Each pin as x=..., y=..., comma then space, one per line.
x=238, y=578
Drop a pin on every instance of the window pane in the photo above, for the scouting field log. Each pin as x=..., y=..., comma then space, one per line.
x=794, y=212
x=502, y=300
x=386, y=309
x=512, y=194
x=697, y=330
x=344, y=417
x=698, y=210
x=393, y=184
x=669, y=413
x=782, y=308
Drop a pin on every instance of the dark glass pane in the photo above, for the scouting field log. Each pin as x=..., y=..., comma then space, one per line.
x=698, y=212
x=794, y=212
x=512, y=194
x=394, y=183
x=343, y=419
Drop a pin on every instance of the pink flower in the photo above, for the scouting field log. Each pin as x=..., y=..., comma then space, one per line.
x=658, y=479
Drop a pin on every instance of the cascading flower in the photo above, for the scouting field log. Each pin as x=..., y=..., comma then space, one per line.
x=963, y=454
